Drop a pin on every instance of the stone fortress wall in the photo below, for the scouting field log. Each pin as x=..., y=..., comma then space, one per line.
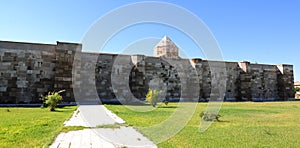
x=29, y=70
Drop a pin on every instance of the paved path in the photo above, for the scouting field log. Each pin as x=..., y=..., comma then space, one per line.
x=95, y=115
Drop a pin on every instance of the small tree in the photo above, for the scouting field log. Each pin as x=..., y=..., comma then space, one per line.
x=52, y=99
x=153, y=96
x=297, y=89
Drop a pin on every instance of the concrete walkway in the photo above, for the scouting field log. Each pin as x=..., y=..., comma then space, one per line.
x=97, y=115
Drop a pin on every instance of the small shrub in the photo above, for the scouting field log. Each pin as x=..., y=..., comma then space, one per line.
x=166, y=102
x=52, y=99
x=297, y=89
x=206, y=116
x=153, y=96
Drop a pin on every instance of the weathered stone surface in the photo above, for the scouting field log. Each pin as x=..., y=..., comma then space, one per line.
x=29, y=70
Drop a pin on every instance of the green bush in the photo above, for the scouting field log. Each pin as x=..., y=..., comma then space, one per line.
x=297, y=89
x=52, y=99
x=153, y=96
x=166, y=101
x=206, y=116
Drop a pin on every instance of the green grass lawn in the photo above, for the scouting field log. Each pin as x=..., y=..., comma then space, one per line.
x=31, y=127
x=270, y=124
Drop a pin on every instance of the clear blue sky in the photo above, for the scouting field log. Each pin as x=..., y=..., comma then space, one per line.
x=253, y=30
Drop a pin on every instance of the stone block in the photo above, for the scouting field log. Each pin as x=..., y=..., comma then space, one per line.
x=22, y=84
x=67, y=79
x=40, y=90
x=3, y=89
x=29, y=71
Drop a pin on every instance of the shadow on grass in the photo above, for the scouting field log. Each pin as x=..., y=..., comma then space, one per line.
x=56, y=111
x=223, y=121
x=129, y=104
x=167, y=107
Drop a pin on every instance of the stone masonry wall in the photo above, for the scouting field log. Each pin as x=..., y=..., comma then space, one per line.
x=29, y=70
x=64, y=58
x=26, y=71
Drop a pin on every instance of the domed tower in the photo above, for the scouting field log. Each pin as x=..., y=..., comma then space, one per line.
x=166, y=48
